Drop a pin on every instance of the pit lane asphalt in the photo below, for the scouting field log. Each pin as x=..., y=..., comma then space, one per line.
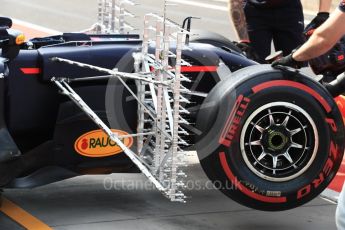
x=85, y=203
x=119, y=202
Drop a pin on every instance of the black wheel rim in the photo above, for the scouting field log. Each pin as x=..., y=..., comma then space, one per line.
x=279, y=141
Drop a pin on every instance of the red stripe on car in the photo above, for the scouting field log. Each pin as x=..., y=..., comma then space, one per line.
x=190, y=69
x=199, y=68
x=31, y=70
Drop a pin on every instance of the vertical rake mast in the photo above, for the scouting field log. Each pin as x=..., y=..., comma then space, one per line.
x=160, y=143
x=111, y=16
x=165, y=156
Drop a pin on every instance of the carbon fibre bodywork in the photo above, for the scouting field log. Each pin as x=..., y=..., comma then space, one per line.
x=45, y=125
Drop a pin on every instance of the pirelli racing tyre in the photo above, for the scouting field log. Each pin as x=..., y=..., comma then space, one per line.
x=269, y=139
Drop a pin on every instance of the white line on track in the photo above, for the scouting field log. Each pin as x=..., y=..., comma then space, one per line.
x=200, y=4
x=330, y=195
x=35, y=27
x=226, y=1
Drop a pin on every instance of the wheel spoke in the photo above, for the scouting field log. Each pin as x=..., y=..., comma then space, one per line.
x=275, y=161
x=295, y=131
x=258, y=127
x=288, y=157
x=263, y=154
x=271, y=117
x=286, y=120
x=258, y=142
x=295, y=145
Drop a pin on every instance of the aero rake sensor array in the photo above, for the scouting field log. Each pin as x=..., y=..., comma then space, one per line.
x=111, y=17
x=160, y=98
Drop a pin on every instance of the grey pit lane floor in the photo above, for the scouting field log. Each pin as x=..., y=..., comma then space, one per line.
x=8, y=224
x=85, y=203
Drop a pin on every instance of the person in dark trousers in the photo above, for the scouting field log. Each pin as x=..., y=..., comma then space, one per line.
x=322, y=40
x=259, y=22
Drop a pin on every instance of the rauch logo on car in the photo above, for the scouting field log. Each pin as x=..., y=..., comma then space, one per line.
x=97, y=144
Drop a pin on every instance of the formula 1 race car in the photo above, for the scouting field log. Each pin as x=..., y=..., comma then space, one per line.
x=77, y=104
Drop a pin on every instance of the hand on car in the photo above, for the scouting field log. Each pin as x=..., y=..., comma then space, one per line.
x=288, y=61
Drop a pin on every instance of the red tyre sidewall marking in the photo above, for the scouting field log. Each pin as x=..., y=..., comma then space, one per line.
x=297, y=85
x=242, y=188
x=311, y=91
x=318, y=97
x=255, y=89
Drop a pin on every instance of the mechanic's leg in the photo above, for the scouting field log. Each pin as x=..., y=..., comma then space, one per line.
x=261, y=42
x=259, y=30
x=8, y=149
x=288, y=31
x=340, y=213
x=287, y=41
